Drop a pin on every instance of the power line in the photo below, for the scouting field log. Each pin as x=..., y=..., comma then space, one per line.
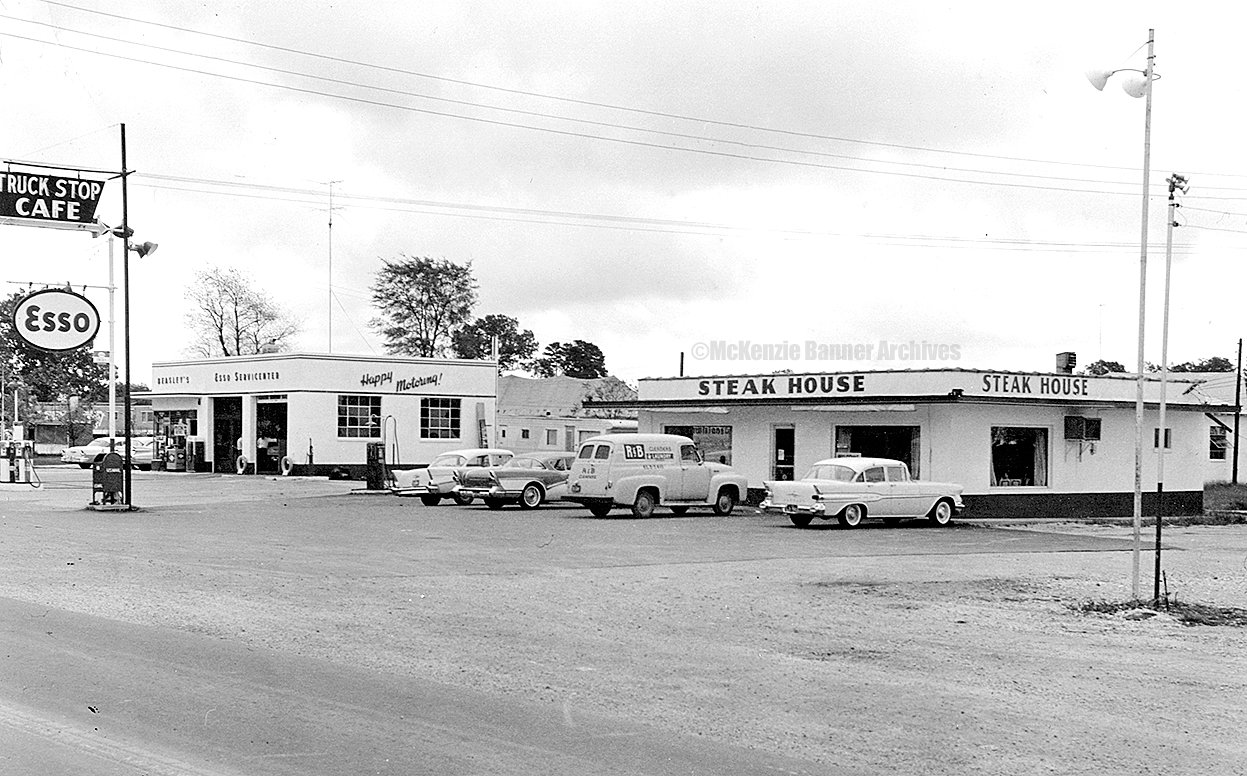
x=589, y=122
x=711, y=230
x=588, y=103
x=698, y=119
x=589, y=136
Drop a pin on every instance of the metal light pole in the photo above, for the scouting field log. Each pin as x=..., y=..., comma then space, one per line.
x=112, y=346
x=125, y=282
x=1176, y=183
x=1098, y=80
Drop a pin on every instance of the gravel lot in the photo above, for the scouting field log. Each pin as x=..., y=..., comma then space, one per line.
x=907, y=650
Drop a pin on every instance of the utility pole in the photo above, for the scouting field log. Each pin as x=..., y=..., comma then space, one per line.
x=1238, y=406
x=331, y=264
x=1176, y=183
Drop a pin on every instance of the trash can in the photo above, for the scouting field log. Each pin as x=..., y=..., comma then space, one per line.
x=108, y=480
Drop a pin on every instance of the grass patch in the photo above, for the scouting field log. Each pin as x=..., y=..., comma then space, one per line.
x=1185, y=613
x=1220, y=496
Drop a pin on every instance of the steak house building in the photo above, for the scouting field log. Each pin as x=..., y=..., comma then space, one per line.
x=1022, y=444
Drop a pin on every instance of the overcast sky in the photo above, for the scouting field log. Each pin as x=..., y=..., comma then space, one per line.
x=655, y=176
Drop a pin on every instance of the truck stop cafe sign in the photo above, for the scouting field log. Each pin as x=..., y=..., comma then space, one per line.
x=48, y=198
x=56, y=319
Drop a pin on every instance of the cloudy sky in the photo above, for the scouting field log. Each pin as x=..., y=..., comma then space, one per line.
x=653, y=177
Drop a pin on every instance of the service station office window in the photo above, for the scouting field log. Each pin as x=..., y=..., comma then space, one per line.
x=439, y=419
x=359, y=416
x=1217, y=443
x=1019, y=457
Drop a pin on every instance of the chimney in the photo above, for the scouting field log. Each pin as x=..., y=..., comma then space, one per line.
x=1065, y=363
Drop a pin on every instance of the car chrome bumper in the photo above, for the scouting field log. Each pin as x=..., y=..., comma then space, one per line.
x=495, y=491
x=793, y=509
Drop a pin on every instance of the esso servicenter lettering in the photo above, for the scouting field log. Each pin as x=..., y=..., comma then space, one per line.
x=38, y=319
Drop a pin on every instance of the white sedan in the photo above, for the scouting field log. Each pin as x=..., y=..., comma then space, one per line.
x=443, y=476
x=851, y=489
x=84, y=455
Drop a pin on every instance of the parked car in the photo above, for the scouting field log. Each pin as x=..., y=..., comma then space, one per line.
x=443, y=476
x=645, y=471
x=141, y=451
x=853, y=489
x=528, y=480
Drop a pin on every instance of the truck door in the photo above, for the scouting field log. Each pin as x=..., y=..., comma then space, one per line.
x=694, y=476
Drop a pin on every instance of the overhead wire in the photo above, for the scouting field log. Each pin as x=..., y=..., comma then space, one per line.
x=570, y=133
x=578, y=101
x=556, y=117
x=544, y=215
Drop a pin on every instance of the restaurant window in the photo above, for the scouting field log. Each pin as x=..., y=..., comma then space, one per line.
x=359, y=416
x=1217, y=443
x=900, y=443
x=715, y=442
x=552, y=436
x=439, y=418
x=1019, y=456
x=524, y=433
x=1168, y=438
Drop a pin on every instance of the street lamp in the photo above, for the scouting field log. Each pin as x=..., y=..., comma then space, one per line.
x=1176, y=183
x=143, y=249
x=1138, y=87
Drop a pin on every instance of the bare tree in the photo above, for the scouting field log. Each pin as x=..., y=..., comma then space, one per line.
x=230, y=316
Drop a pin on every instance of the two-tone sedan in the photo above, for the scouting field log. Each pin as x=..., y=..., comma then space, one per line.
x=443, y=476
x=852, y=489
x=141, y=452
x=528, y=480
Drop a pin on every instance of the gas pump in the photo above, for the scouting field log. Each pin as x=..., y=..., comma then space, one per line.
x=175, y=449
x=17, y=461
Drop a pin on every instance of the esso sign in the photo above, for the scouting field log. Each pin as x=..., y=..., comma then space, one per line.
x=56, y=319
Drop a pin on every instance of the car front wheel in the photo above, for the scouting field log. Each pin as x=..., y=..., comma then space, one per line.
x=851, y=516
x=463, y=499
x=942, y=514
x=724, y=503
x=531, y=497
x=430, y=501
x=800, y=521
x=493, y=503
x=644, y=504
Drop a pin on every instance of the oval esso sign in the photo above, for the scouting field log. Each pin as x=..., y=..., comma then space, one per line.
x=56, y=319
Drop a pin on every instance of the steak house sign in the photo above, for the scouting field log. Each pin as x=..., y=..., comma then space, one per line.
x=866, y=385
x=43, y=197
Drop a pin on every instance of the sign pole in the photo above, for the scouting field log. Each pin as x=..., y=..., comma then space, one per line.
x=125, y=283
x=112, y=346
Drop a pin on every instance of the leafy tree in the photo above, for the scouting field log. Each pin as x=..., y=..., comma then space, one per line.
x=1102, y=367
x=574, y=359
x=1213, y=364
x=230, y=316
x=422, y=301
x=475, y=340
x=610, y=388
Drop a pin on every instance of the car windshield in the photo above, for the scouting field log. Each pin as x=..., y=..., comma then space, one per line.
x=831, y=471
x=447, y=460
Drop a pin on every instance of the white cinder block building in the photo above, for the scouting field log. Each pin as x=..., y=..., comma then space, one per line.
x=1022, y=444
x=309, y=413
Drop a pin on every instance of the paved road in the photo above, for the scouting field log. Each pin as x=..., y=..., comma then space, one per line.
x=84, y=694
